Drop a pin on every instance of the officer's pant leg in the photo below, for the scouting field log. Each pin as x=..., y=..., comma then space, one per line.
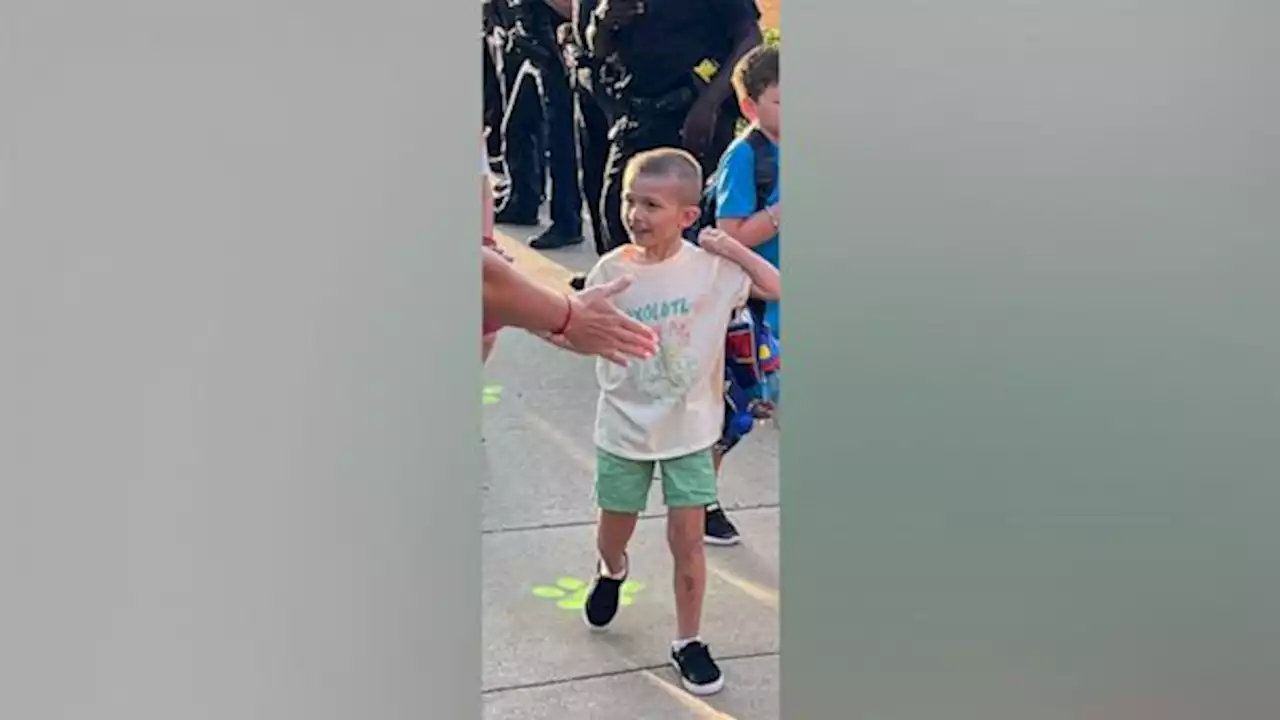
x=522, y=147
x=660, y=130
x=593, y=153
x=493, y=106
x=566, y=190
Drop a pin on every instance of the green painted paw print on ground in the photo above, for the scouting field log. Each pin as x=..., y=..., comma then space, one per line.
x=491, y=394
x=571, y=593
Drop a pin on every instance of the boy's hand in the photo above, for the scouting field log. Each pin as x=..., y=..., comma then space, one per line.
x=719, y=242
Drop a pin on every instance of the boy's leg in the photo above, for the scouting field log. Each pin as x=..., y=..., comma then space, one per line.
x=622, y=491
x=689, y=485
x=613, y=535
x=717, y=528
x=684, y=535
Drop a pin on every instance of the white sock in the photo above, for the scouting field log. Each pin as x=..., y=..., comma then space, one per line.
x=679, y=645
x=608, y=572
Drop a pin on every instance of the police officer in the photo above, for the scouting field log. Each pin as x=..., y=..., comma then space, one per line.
x=592, y=115
x=648, y=50
x=543, y=76
x=521, y=135
x=566, y=188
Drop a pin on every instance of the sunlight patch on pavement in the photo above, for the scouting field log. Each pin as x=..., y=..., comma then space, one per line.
x=533, y=263
x=695, y=705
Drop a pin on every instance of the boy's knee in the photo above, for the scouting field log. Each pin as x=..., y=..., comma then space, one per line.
x=684, y=533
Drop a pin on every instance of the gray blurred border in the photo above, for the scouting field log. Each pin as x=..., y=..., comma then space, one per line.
x=1033, y=435
x=239, y=454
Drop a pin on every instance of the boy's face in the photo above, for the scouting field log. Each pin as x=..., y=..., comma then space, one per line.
x=656, y=210
x=767, y=111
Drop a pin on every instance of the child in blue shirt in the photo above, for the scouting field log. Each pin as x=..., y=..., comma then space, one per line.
x=738, y=204
x=747, y=201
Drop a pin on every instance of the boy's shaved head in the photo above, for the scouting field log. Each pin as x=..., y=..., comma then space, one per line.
x=668, y=164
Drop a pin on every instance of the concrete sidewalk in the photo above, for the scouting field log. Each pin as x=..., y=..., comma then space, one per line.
x=540, y=659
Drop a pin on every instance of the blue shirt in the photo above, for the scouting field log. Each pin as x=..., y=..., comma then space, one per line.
x=736, y=200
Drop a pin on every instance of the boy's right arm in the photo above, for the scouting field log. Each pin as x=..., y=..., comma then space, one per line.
x=766, y=281
x=736, y=211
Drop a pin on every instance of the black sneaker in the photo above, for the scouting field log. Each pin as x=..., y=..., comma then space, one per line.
x=603, y=598
x=718, y=530
x=698, y=672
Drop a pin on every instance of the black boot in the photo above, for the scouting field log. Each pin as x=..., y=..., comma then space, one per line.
x=514, y=214
x=553, y=238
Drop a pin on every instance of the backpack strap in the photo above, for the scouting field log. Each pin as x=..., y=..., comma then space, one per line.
x=766, y=170
x=766, y=161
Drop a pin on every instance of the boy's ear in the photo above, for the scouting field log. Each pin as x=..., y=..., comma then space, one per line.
x=748, y=108
x=690, y=216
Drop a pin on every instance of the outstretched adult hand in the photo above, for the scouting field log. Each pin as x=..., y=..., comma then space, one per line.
x=597, y=327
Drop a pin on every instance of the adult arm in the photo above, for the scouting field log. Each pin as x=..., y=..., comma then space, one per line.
x=514, y=300
x=742, y=24
x=564, y=8
x=588, y=321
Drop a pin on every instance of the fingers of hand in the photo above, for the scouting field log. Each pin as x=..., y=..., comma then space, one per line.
x=642, y=344
x=615, y=358
x=613, y=288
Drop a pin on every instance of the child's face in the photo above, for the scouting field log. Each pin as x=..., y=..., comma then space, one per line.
x=655, y=210
x=767, y=111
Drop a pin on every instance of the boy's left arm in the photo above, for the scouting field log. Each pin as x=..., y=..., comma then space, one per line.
x=766, y=281
x=735, y=188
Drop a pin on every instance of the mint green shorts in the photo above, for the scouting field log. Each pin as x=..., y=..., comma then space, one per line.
x=622, y=485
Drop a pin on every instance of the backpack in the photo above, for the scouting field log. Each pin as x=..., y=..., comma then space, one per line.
x=766, y=180
x=750, y=378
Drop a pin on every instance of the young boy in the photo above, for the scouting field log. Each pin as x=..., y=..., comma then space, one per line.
x=667, y=411
x=751, y=216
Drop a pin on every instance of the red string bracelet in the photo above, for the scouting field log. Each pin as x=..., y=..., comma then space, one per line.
x=568, y=316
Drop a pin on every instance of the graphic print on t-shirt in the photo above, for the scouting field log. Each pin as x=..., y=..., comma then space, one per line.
x=670, y=404
x=673, y=370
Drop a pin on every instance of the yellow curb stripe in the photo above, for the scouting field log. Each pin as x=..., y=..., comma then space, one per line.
x=764, y=595
x=696, y=705
x=533, y=263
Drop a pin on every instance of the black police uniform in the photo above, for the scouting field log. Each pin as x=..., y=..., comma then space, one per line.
x=541, y=104
x=493, y=101
x=651, y=82
x=566, y=189
x=496, y=20
x=594, y=119
x=523, y=125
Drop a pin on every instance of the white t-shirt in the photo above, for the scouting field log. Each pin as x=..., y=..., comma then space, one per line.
x=672, y=404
